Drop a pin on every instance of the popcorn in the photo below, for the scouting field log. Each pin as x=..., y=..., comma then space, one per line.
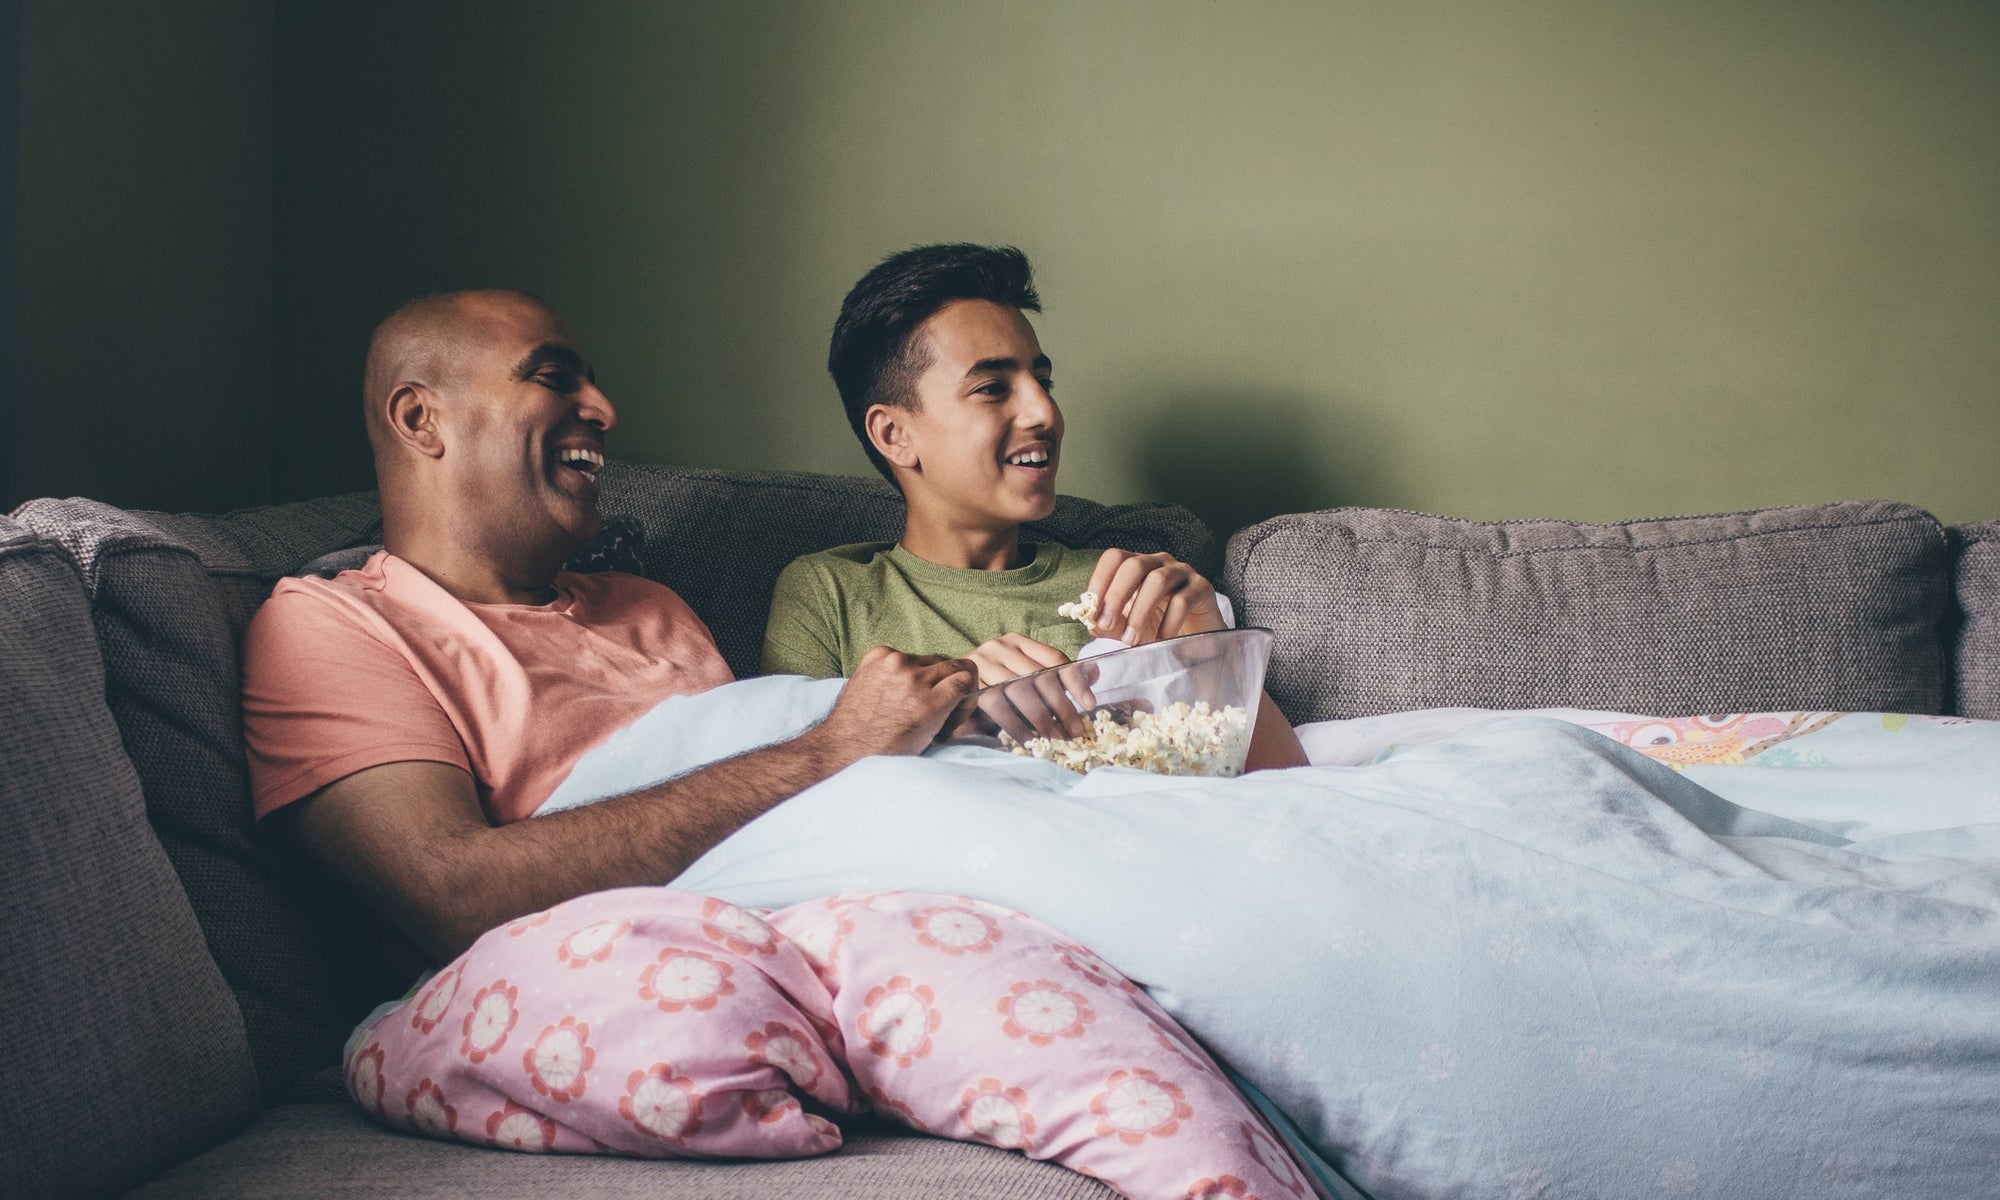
x=1178, y=740
x=1083, y=608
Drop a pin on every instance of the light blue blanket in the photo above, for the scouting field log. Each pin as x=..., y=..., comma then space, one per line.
x=1521, y=961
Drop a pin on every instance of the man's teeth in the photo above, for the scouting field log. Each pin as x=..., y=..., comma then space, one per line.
x=1030, y=458
x=587, y=461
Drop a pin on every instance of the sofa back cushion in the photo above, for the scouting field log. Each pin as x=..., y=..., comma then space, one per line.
x=125, y=1049
x=1977, y=682
x=1832, y=606
x=170, y=597
x=719, y=538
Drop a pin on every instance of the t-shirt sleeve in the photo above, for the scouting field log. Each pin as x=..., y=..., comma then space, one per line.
x=324, y=697
x=799, y=636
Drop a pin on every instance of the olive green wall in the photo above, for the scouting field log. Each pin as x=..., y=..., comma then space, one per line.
x=1537, y=257
x=1495, y=258
x=144, y=269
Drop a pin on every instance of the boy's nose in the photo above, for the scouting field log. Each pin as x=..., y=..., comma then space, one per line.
x=1038, y=408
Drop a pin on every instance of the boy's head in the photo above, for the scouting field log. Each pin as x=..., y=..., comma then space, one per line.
x=944, y=381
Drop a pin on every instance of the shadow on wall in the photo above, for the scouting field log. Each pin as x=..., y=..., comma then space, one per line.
x=1239, y=456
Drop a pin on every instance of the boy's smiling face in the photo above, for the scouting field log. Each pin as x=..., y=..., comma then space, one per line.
x=980, y=449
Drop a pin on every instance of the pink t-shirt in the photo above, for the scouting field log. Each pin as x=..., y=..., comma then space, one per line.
x=382, y=665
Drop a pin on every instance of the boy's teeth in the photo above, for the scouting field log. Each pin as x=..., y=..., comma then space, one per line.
x=1031, y=458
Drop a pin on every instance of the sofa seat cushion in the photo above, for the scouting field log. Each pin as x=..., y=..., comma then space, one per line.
x=1833, y=606
x=125, y=1048
x=1978, y=649
x=327, y=1151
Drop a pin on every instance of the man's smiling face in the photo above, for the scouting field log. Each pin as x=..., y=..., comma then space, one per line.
x=986, y=433
x=527, y=435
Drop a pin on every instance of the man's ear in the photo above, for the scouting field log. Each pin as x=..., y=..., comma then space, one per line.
x=413, y=419
x=889, y=433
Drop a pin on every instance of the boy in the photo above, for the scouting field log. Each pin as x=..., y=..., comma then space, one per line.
x=947, y=388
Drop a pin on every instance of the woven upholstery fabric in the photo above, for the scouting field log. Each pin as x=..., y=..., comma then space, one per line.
x=170, y=596
x=1833, y=606
x=125, y=1049
x=1977, y=682
x=312, y=1151
x=719, y=538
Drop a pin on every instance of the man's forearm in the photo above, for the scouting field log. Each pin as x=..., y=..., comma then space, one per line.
x=644, y=837
x=412, y=839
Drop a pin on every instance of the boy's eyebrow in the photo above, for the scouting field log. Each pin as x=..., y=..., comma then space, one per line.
x=1002, y=366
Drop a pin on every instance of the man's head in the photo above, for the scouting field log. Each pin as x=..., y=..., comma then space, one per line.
x=945, y=383
x=487, y=426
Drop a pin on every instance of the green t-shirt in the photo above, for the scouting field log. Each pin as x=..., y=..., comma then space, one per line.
x=831, y=608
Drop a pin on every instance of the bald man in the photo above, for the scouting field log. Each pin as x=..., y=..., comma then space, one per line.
x=404, y=718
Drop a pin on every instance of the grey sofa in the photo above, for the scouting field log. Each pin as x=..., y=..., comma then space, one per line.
x=178, y=987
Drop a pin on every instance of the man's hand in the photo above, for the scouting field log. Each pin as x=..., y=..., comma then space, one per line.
x=1146, y=597
x=894, y=703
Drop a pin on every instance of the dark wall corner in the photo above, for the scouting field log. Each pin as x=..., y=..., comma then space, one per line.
x=10, y=237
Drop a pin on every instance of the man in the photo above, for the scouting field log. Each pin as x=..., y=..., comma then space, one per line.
x=402, y=718
x=948, y=390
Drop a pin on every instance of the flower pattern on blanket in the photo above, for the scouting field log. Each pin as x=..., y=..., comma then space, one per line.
x=655, y=1023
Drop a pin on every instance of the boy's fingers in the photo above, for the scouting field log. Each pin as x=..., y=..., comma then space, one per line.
x=1060, y=709
x=1112, y=614
x=1039, y=653
x=1151, y=600
x=1035, y=710
x=1176, y=613
x=1002, y=713
x=1107, y=566
x=1005, y=662
x=1076, y=681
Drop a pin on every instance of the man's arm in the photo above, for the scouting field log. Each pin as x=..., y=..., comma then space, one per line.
x=411, y=836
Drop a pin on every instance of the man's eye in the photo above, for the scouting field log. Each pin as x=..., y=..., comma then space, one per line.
x=996, y=388
x=557, y=381
x=1048, y=385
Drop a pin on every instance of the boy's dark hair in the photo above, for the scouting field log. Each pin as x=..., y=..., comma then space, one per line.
x=875, y=357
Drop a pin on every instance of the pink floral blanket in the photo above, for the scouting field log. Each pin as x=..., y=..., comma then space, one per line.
x=656, y=1023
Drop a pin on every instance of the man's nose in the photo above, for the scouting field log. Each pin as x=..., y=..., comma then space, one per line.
x=594, y=406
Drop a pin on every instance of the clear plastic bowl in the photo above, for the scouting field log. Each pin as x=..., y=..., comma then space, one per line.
x=1183, y=706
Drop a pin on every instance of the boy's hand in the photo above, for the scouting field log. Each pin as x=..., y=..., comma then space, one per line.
x=1146, y=597
x=895, y=703
x=1011, y=656
x=1038, y=709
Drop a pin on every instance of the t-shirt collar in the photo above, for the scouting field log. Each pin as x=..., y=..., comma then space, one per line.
x=1043, y=559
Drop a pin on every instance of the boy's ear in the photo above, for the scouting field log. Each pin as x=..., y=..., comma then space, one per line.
x=890, y=436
